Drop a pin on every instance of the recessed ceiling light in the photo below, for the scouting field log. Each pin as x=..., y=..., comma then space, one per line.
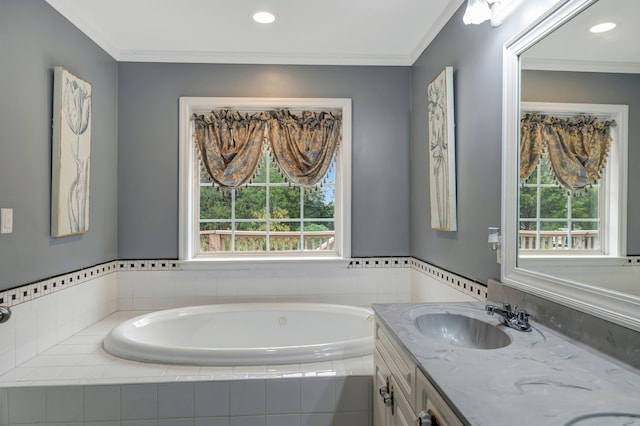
x=263, y=17
x=601, y=28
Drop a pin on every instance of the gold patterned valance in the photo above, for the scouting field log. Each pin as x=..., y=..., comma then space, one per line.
x=577, y=147
x=303, y=145
x=230, y=145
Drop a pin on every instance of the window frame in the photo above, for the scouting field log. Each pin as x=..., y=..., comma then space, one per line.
x=613, y=208
x=189, y=179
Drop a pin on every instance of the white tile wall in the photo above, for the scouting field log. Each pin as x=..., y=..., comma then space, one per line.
x=39, y=323
x=432, y=284
x=379, y=280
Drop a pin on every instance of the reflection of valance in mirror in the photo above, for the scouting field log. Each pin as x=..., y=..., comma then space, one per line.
x=230, y=144
x=577, y=147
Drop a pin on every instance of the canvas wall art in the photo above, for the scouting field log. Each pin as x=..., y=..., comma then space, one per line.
x=442, y=153
x=70, y=154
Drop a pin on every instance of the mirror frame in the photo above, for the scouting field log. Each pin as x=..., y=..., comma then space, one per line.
x=613, y=306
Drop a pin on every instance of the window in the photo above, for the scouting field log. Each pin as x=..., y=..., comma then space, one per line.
x=267, y=217
x=551, y=218
x=591, y=221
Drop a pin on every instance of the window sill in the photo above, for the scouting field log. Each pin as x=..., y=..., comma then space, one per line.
x=538, y=260
x=263, y=262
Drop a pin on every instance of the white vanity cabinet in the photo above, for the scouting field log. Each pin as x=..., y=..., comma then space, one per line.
x=402, y=393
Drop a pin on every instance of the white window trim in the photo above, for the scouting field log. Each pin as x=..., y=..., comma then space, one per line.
x=614, y=209
x=189, y=180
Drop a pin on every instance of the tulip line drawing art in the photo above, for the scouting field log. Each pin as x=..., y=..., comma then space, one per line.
x=71, y=154
x=442, y=152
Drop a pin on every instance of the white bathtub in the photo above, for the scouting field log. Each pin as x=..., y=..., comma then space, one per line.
x=245, y=334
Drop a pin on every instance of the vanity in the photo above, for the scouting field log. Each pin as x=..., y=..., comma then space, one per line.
x=480, y=372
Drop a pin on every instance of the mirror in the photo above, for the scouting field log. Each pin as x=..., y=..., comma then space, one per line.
x=557, y=61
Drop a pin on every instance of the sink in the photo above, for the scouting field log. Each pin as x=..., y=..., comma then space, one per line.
x=462, y=331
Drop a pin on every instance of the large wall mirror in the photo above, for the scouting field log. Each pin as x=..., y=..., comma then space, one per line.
x=575, y=246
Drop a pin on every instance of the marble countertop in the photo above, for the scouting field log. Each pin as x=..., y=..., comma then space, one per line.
x=541, y=378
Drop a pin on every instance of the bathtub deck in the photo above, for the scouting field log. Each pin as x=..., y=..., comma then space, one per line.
x=80, y=360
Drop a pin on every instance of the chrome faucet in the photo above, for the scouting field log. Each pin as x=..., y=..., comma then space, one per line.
x=513, y=318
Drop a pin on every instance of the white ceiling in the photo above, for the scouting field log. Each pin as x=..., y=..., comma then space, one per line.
x=338, y=32
x=573, y=48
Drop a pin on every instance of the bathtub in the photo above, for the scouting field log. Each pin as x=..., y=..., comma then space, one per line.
x=245, y=334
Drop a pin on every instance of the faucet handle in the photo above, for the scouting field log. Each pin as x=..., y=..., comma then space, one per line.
x=507, y=306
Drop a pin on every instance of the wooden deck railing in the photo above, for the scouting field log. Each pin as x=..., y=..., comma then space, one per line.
x=252, y=241
x=559, y=240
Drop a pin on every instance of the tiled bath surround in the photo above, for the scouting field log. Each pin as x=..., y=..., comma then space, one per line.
x=319, y=401
x=48, y=317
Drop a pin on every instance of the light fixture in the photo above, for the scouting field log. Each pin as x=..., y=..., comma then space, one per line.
x=495, y=11
x=603, y=27
x=494, y=238
x=477, y=12
x=263, y=17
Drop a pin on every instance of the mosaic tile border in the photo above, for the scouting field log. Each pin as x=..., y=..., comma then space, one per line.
x=467, y=286
x=148, y=265
x=380, y=262
x=31, y=291
x=35, y=290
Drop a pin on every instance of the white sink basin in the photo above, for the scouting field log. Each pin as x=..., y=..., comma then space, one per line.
x=462, y=331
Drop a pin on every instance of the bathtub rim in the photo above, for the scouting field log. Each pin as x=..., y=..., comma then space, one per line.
x=116, y=344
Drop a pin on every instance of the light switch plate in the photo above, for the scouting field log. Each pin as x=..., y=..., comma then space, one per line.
x=6, y=221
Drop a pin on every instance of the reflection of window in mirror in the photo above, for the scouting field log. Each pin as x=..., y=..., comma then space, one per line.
x=564, y=208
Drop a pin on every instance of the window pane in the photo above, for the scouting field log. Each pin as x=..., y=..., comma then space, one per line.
x=319, y=204
x=250, y=236
x=274, y=174
x=546, y=177
x=585, y=235
x=528, y=202
x=251, y=203
x=585, y=206
x=319, y=236
x=284, y=236
x=553, y=226
x=284, y=202
x=527, y=225
x=203, y=178
x=553, y=203
x=214, y=204
x=261, y=174
x=554, y=235
x=533, y=177
x=215, y=236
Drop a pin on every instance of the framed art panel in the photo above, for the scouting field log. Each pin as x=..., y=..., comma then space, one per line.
x=70, y=154
x=442, y=153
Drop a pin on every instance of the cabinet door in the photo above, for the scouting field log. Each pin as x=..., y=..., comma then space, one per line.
x=428, y=399
x=403, y=413
x=382, y=378
x=400, y=364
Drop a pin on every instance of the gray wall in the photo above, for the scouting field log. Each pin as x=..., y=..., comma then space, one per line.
x=598, y=88
x=33, y=39
x=475, y=52
x=148, y=145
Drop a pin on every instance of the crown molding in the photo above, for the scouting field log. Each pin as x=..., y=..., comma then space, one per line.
x=66, y=9
x=271, y=58
x=580, y=66
x=437, y=26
